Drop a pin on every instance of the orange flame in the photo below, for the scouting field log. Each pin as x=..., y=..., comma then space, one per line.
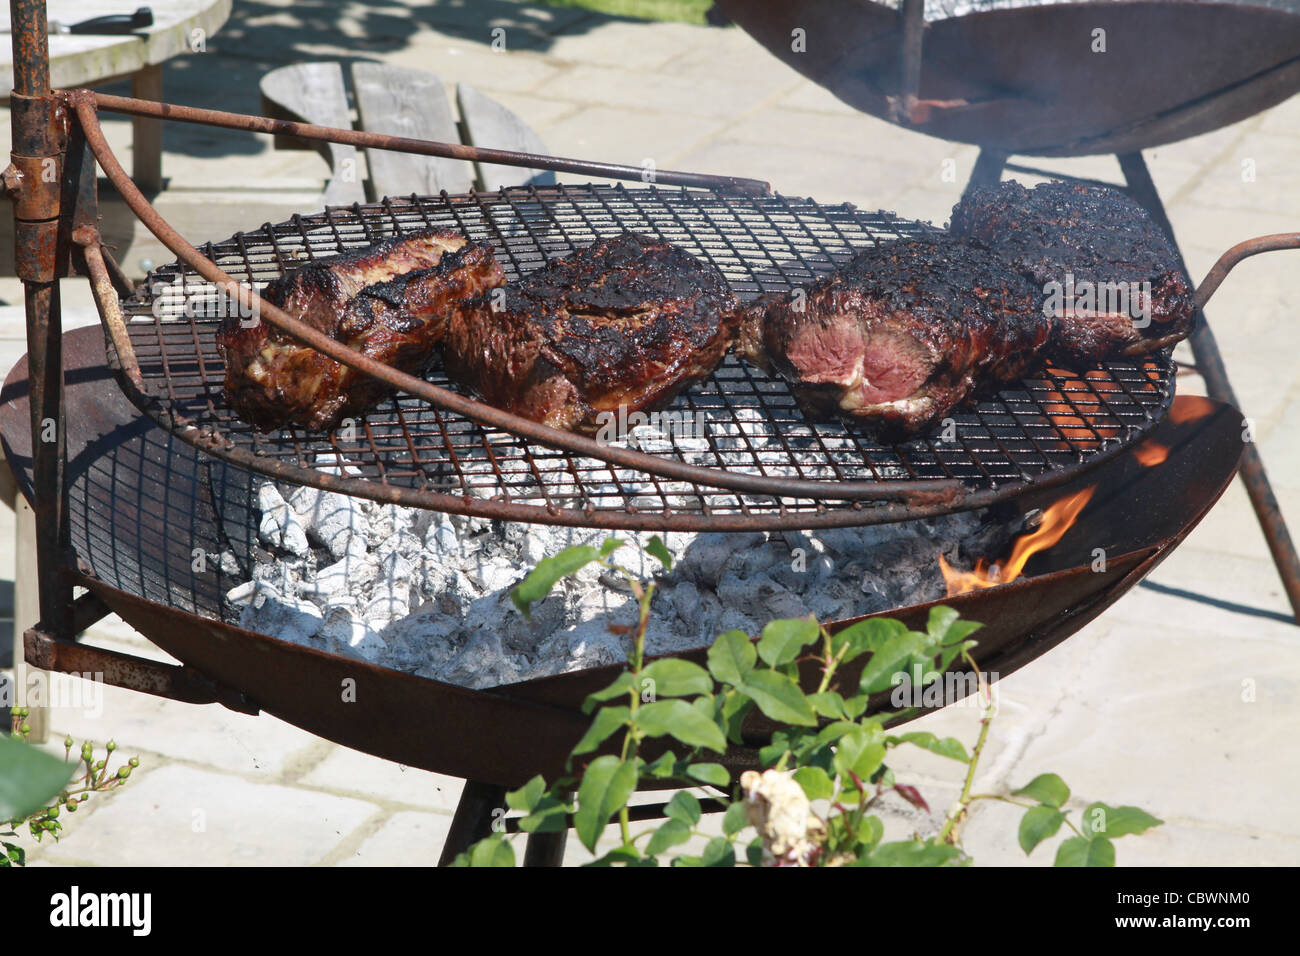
x=1057, y=520
x=1189, y=408
x=1150, y=453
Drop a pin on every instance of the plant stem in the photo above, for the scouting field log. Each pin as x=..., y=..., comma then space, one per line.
x=958, y=813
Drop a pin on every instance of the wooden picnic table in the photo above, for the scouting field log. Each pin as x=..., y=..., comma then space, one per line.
x=180, y=26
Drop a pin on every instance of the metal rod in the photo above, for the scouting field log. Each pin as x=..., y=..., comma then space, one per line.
x=84, y=103
x=1215, y=374
x=474, y=154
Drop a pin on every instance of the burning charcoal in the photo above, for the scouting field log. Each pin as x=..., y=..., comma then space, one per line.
x=388, y=603
x=344, y=633
x=279, y=527
x=242, y=594
x=334, y=521
x=348, y=573
x=287, y=618
x=441, y=539
x=707, y=556
x=388, y=520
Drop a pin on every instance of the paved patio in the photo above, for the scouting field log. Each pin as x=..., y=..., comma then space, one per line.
x=1145, y=706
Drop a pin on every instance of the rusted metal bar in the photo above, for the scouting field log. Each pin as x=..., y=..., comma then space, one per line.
x=170, y=681
x=476, y=154
x=1215, y=374
x=106, y=301
x=84, y=104
x=1242, y=250
x=913, y=38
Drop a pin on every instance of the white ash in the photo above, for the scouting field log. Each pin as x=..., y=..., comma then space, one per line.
x=429, y=593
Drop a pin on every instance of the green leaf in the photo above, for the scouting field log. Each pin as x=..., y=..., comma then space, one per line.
x=608, y=547
x=950, y=653
x=816, y=782
x=605, y=788
x=671, y=834
x=29, y=778
x=858, y=753
x=754, y=852
x=542, y=578
x=549, y=816
x=711, y=773
x=491, y=851
x=608, y=720
x=735, y=707
x=782, y=641
x=683, y=806
x=890, y=658
x=624, y=683
x=677, y=678
x=621, y=854
x=1083, y=851
x=1037, y=825
x=662, y=767
x=718, y=852
x=656, y=548
x=949, y=747
x=526, y=797
x=15, y=854
x=870, y=832
x=856, y=706
x=735, y=819
x=829, y=704
x=731, y=657
x=913, y=853
x=865, y=636
x=1046, y=788
x=1099, y=819
x=779, y=697
x=678, y=719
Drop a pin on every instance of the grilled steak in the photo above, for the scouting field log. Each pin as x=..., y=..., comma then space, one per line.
x=625, y=324
x=1109, y=276
x=389, y=301
x=900, y=335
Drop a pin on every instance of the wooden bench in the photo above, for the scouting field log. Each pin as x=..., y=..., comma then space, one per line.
x=403, y=102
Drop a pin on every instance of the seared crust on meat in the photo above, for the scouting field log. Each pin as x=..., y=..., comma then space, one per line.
x=901, y=334
x=389, y=301
x=625, y=323
x=1098, y=242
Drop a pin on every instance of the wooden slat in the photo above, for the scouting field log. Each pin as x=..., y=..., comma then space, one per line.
x=314, y=93
x=405, y=102
x=489, y=124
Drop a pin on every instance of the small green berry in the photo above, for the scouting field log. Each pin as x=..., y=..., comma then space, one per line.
x=72, y=806
x=123, y=772
x=134, y=761
x=99, y=765
x=68, y=742
x=25, y=729
x=110, y=746
x=52, y=813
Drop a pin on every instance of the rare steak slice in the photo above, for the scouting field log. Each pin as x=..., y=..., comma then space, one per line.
x=1107, y=273
x=900, y=335
x=619, y=327
x=389, y=301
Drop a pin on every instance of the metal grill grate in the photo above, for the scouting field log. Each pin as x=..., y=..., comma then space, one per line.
x=738, y=420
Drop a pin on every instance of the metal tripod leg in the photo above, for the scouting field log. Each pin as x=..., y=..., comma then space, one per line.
x=473, y=819
x=1210, y=364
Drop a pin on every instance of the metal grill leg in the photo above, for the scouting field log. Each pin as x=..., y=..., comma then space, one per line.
x=1210, y=364
x=473, y=819
x=988, y=169
x=545, y=849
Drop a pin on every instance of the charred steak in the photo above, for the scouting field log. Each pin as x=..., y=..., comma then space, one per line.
x=1109, y=277
x=624, y=324
x=900, y=335
x=389, y=301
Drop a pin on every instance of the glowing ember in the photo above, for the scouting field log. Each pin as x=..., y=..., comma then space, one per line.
x=1150, y=453
x=1057, y=520
x=1190, y=408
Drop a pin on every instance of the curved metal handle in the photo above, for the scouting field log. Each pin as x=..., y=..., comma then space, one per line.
x=1242, y=250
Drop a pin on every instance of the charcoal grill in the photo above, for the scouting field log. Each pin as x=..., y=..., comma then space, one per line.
x=146, y=464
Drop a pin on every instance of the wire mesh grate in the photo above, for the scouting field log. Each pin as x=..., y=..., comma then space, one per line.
x=737, y=420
